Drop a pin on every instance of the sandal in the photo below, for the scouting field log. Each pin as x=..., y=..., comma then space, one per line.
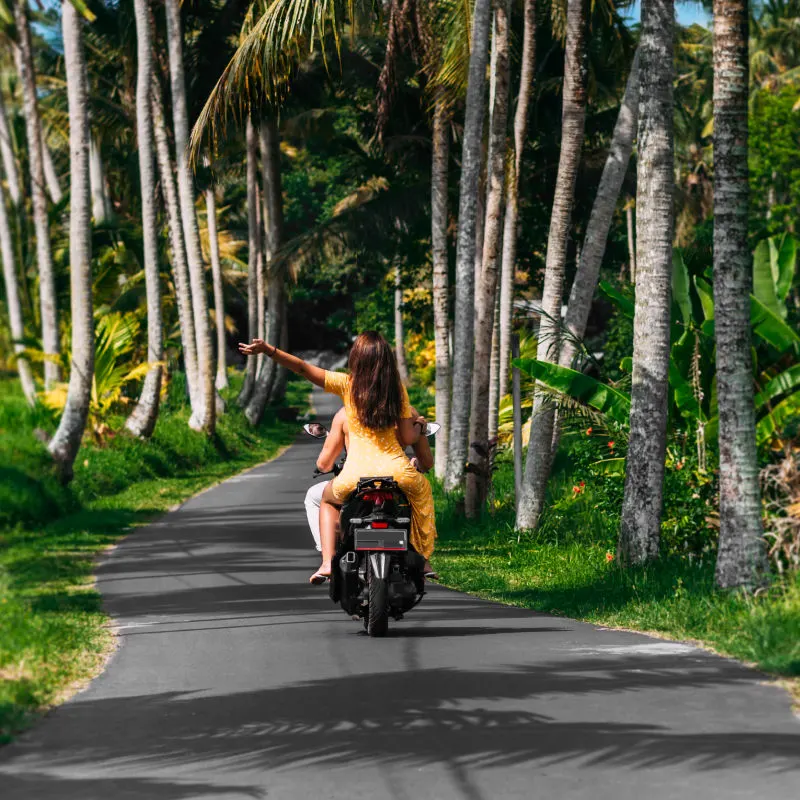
x=431, y=575
x=318, y=578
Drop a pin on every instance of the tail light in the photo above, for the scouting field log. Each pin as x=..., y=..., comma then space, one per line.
x=379, y=525
x=378, y=497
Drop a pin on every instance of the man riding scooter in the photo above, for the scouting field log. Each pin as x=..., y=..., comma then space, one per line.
x=337, y=440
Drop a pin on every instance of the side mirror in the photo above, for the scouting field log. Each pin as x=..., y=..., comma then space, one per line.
x=315, y=429
x=432, y=428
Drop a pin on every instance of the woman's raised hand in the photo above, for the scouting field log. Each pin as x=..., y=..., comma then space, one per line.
x=255, y=347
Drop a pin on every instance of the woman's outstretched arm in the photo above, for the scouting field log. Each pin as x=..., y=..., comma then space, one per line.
x=310, y=372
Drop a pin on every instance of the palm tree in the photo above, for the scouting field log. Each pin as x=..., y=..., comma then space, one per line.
x=253, y=323
x=180, y=268
x=741, y=547
x=221, y=381
x=526, y=79
x=644, y=473
x=11, y=279
x=206, y=412
x=7, y=154
x=630, y=236
x=65, y=444
x=537, y=463
x=477, y=478
x=594, y=242
x=399, y=328
x=33, y=132
x=441, y=299
x=273, y=237
x=463, y=329
x=101, y=204
x=142, y=421
x=50, y=175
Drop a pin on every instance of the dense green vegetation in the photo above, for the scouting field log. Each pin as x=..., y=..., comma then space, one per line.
x=53, y=632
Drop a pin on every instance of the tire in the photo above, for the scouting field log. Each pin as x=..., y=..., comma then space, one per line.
x=378, y=618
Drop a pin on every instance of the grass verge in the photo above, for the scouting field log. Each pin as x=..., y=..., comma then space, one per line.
x=567, y=569
x=53, y=633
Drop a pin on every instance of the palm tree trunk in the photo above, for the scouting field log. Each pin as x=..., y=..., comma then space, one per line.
x=537, y=463
x=282, y=376
x=33, y=132
x=463, y=329
x=526, y=78
x=644, y=474
x=50, y=175
x=261, y=283
x=65, y=444
x=276, y=300
x=494, y=371
x=205, y=359
x=253, y=323
x=7, y=154
x=16, y=324
x=180, y=269
x=594, y=242
x=101, y=207
x=399, y=329
x=478, y=477
x=740, y=559
x=221, y=381
x=142, y=420
x=441, y=298
x=631, y=238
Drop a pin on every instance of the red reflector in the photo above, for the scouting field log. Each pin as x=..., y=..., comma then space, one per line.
x=379, y=525
x=377, y=497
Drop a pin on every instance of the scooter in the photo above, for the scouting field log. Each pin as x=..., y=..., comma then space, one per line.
x=376, y=573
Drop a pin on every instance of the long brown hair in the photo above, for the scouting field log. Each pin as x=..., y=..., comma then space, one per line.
x=375, y=387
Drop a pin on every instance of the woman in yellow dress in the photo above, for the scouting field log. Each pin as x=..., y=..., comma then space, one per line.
x=381, y=425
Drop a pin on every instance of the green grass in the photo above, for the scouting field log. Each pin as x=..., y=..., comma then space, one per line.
x=53, y=633
x=566, y=569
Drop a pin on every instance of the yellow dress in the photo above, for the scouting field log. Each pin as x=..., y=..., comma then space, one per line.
x=378, y=453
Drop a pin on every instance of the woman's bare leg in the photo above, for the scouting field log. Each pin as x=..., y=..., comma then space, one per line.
x=328, y=518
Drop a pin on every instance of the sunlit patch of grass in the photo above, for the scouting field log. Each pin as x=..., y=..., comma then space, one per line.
x=568, y=568
x=53, y=632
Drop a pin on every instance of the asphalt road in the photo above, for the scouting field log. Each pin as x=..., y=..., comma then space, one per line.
x=235, y=679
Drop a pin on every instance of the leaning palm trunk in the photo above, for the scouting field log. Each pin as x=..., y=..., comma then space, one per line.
x=50, y=175
x=253, y=323
x=67, y=440
x=101, y=205
x=142, y=421
x=33, y=132
x=441, y=301
x=463, y=330
x=9, y=160
x=221, y=381
x=594, y=242
x=644, y=473
x=205, y=411
x=273, y=237
x=526, y=78
x=741, y=559
x=399, y=329
x=478, y=476
x=631, y=238
x=180, y=269
x=537, y=463
x=16, y=324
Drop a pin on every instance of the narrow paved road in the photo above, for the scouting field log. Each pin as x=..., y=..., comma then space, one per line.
x=235, y=679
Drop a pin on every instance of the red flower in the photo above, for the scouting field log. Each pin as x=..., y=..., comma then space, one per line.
x=576, y=489
x=589, y=431
x=582, y=484
x=611, y=445
x=609, y=556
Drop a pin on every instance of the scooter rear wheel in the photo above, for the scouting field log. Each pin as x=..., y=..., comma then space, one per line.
x=378, y=614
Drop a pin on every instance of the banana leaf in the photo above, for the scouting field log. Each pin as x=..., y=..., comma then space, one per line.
x=680, y=288
x=771, y=328
x=609, y=467
x=624, y=304
x=764, y=279
x=783, y=260
x=606, y=399
x=782, y=383
x=773, y=423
